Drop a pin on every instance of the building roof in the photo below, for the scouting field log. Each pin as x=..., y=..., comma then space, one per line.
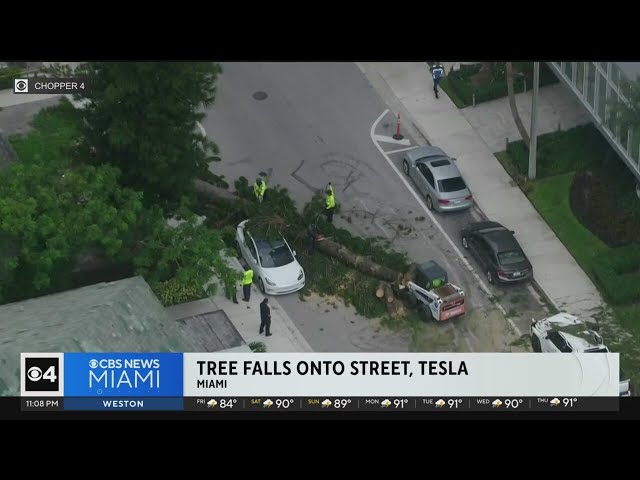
x=121, y=316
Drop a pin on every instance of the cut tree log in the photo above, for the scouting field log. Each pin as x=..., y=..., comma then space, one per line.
x=216, y=193
x=362, y=264
x=388, y=293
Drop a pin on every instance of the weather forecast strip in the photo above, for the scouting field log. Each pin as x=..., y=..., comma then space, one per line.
x=170, y=381
x=402, y=404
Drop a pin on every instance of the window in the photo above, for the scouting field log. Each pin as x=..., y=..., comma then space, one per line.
x=634, y=142
x=591, y=83
x=274, y=254
x=602, y=96
x=426, y=173
x=559, y=342
x=251, y=246
x=580, y=77
x=567, y=69
x=615, y=74
x=623, y=137
x=453, y=184
x=511, y=258
x=440, y=163
x=484, y=247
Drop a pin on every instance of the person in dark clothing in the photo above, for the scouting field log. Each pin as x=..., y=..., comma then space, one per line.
x=437, y=72
x=265, y=317
x=312, y=231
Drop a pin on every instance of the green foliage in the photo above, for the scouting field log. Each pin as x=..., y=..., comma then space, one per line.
x=618, y=271
x=278, y=215
x=258, y=347
x=51, y=210
x=141, y=117
x=564, y=151
x=8, y=75
x=329, y=277
x=459, y=82
x=189, y=253
x=175, y=291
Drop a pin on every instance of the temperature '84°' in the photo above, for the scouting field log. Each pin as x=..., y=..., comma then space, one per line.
x=228, y=403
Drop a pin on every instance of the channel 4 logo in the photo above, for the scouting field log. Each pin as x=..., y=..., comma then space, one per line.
x=21, y=85
x=41, y=374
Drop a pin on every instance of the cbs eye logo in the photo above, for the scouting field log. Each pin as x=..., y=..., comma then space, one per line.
x=42, y=374
x=21, y=85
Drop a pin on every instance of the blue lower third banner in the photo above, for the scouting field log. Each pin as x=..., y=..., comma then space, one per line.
x=122, y=375
x=140, y=403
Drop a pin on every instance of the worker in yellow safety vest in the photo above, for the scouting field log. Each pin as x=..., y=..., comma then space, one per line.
x=247, y=280
x=330, y=204
x=330, y=187
x=259, y=188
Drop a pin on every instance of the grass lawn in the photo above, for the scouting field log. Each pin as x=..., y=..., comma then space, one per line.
x=551, y=198
x=451, y=93
x=629, y=316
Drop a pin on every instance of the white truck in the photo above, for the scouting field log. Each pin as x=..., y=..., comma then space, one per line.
x=565, y=333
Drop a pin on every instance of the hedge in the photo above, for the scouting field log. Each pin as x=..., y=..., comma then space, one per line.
x=582, y=147
x=174, y=292
x=8, y=75
x=459, y=82
x=618, y=272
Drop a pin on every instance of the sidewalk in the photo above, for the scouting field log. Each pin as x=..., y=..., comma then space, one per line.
x=472, y=137
x=246, y=317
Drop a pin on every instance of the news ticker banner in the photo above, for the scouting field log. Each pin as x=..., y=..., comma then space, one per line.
x=317, y=381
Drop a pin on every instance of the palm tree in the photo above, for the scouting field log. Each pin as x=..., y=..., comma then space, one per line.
x=514, y=107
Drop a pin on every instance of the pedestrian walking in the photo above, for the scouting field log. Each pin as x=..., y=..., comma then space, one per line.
x=247, y=280
x=437, y=72
x=330, y=204
x=259, y=188
x=265, y=317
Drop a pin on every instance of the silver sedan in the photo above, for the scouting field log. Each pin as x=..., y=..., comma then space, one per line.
x=438, y=179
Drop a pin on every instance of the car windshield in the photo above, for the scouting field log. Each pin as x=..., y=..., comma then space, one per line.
x=274, y=254
x=510, y=258
x=453, y=184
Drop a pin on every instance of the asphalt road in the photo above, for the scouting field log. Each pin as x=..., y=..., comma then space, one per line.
x=315, y=126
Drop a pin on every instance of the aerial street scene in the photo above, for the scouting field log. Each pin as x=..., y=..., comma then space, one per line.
x=464, y=207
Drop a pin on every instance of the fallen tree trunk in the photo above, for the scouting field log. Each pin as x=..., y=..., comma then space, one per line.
x=216, y=193
x=362, y=264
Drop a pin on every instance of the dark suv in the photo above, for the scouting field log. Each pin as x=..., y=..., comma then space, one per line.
x=497, y=251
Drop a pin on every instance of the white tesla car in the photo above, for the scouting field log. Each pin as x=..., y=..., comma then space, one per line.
x=275, y=268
